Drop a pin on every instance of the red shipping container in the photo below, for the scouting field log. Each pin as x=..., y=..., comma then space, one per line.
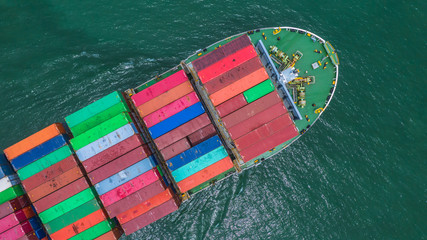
x=16, y=232
x=258, y=120
x=202, y=134
x=130, y=187
x=113, y=152
x=15, y=218
x=159, y=88
x=165, y=98
x=269, y=143
x=49, y=173
x=79, y=226
x=233, y=75
x=182, y=131
x=170, y=109
x=117, y=165
x=205, y=174
x=145, y=206
x=175, y=149
x=60, y=195
x=13, y=205
x=251, y=109
x=114, y=234
x=55, y=184
x=231, y=105
x=239, y=86
x=135, y=198
x=220, y=53
x=262, y=132
x=150, y=217
x=226, y=64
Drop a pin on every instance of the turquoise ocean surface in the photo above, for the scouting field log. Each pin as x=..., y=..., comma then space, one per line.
x=358, y=173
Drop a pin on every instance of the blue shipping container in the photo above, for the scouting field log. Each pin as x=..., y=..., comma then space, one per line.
x=199, y=164
x=5, y=167
x=36, y=225
x=194, y=153
x=39, y=151
x=105, y=142
x=125, y=175
x=176, y=120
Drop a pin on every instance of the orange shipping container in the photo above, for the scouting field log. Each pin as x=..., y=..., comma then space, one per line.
x=145, y=206
x=79, y=226
x=55, y=184
x=239, y=86
x=165, y=98
x=205, y=174
x=34, y=140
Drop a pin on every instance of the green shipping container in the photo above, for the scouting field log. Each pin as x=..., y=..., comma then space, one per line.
x=199, y=164
x=11, y=193
x=95, y=231
x=258, y=91
x=72, y=216
x=100, y=131
x=67, y=205
x=99, y=118
x=94, y=108
x=44, y=162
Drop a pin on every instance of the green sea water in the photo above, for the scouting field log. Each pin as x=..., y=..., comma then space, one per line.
x=359, y=173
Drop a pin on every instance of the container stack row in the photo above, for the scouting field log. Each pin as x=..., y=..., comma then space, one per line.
x=18, y=218
x=182, y=131
x=57, y=187
x=245, y=99
x=119, y=164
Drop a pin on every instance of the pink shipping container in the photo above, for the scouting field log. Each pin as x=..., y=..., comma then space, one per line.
x=251, y=109
x=231, y=105
x=15, y=218
x=159, y=88
x=16, y=232
x=202, y=134
x=113, y=152
x=226, y=64
x=130, y=187
x=175, y=149
x=182, y=131
x=259, y=147
x=258, y=120
x=262, y=132
x=13, y=205
x=170, y=109
x=117, y=165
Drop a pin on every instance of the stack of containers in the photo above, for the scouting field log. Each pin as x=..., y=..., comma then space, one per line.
x=244, y=97
x=118, y=162
x=18, y=219
x=56, y=185
x=182, y=131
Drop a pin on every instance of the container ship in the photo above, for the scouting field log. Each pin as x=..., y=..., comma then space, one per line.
x=131, y=158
